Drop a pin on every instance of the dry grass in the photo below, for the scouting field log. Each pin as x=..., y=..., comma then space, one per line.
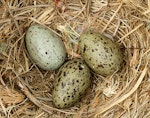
x=25, y=90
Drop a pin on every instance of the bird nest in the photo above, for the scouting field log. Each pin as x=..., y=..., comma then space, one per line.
x=25, y=90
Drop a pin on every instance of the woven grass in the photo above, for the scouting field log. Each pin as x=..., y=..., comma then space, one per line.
x=25, y=90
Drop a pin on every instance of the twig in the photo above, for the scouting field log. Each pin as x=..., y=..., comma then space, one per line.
x=88, y=5
x=125, y=96
x=16, y=23
x=130, y=32
x=111, y=18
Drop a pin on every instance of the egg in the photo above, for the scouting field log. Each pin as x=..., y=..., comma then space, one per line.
x=71, y=83
x=44, y=47
x=100, y=53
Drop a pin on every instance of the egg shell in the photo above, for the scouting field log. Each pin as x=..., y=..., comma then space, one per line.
x=45, y=48
x=71, y=83
x=100, y=53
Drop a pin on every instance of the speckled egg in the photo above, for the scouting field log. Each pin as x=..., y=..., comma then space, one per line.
x=71, y=83
x=100, y=53
x=45, y=48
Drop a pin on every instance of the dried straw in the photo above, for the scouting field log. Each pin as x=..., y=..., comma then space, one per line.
x=25, y=90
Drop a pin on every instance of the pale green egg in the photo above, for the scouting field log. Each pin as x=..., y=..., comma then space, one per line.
x=71, y=83
x=45, y=48
x=100, y=53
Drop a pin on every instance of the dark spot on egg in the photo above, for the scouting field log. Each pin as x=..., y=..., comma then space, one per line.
x=80, y=67
x=84, y=49
x=80, y=93
x=73, y=82
x=74, y=91
x=64, y=99
x=59, y=80
x=63, y=84
x=83, y=84
x=106, y=49
x=46, y=53
x=64, y=73
x=101, y=66
x=75, y=61
x=100, y=38
x=66, y=66
x=39, y=27
x=105, y=42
